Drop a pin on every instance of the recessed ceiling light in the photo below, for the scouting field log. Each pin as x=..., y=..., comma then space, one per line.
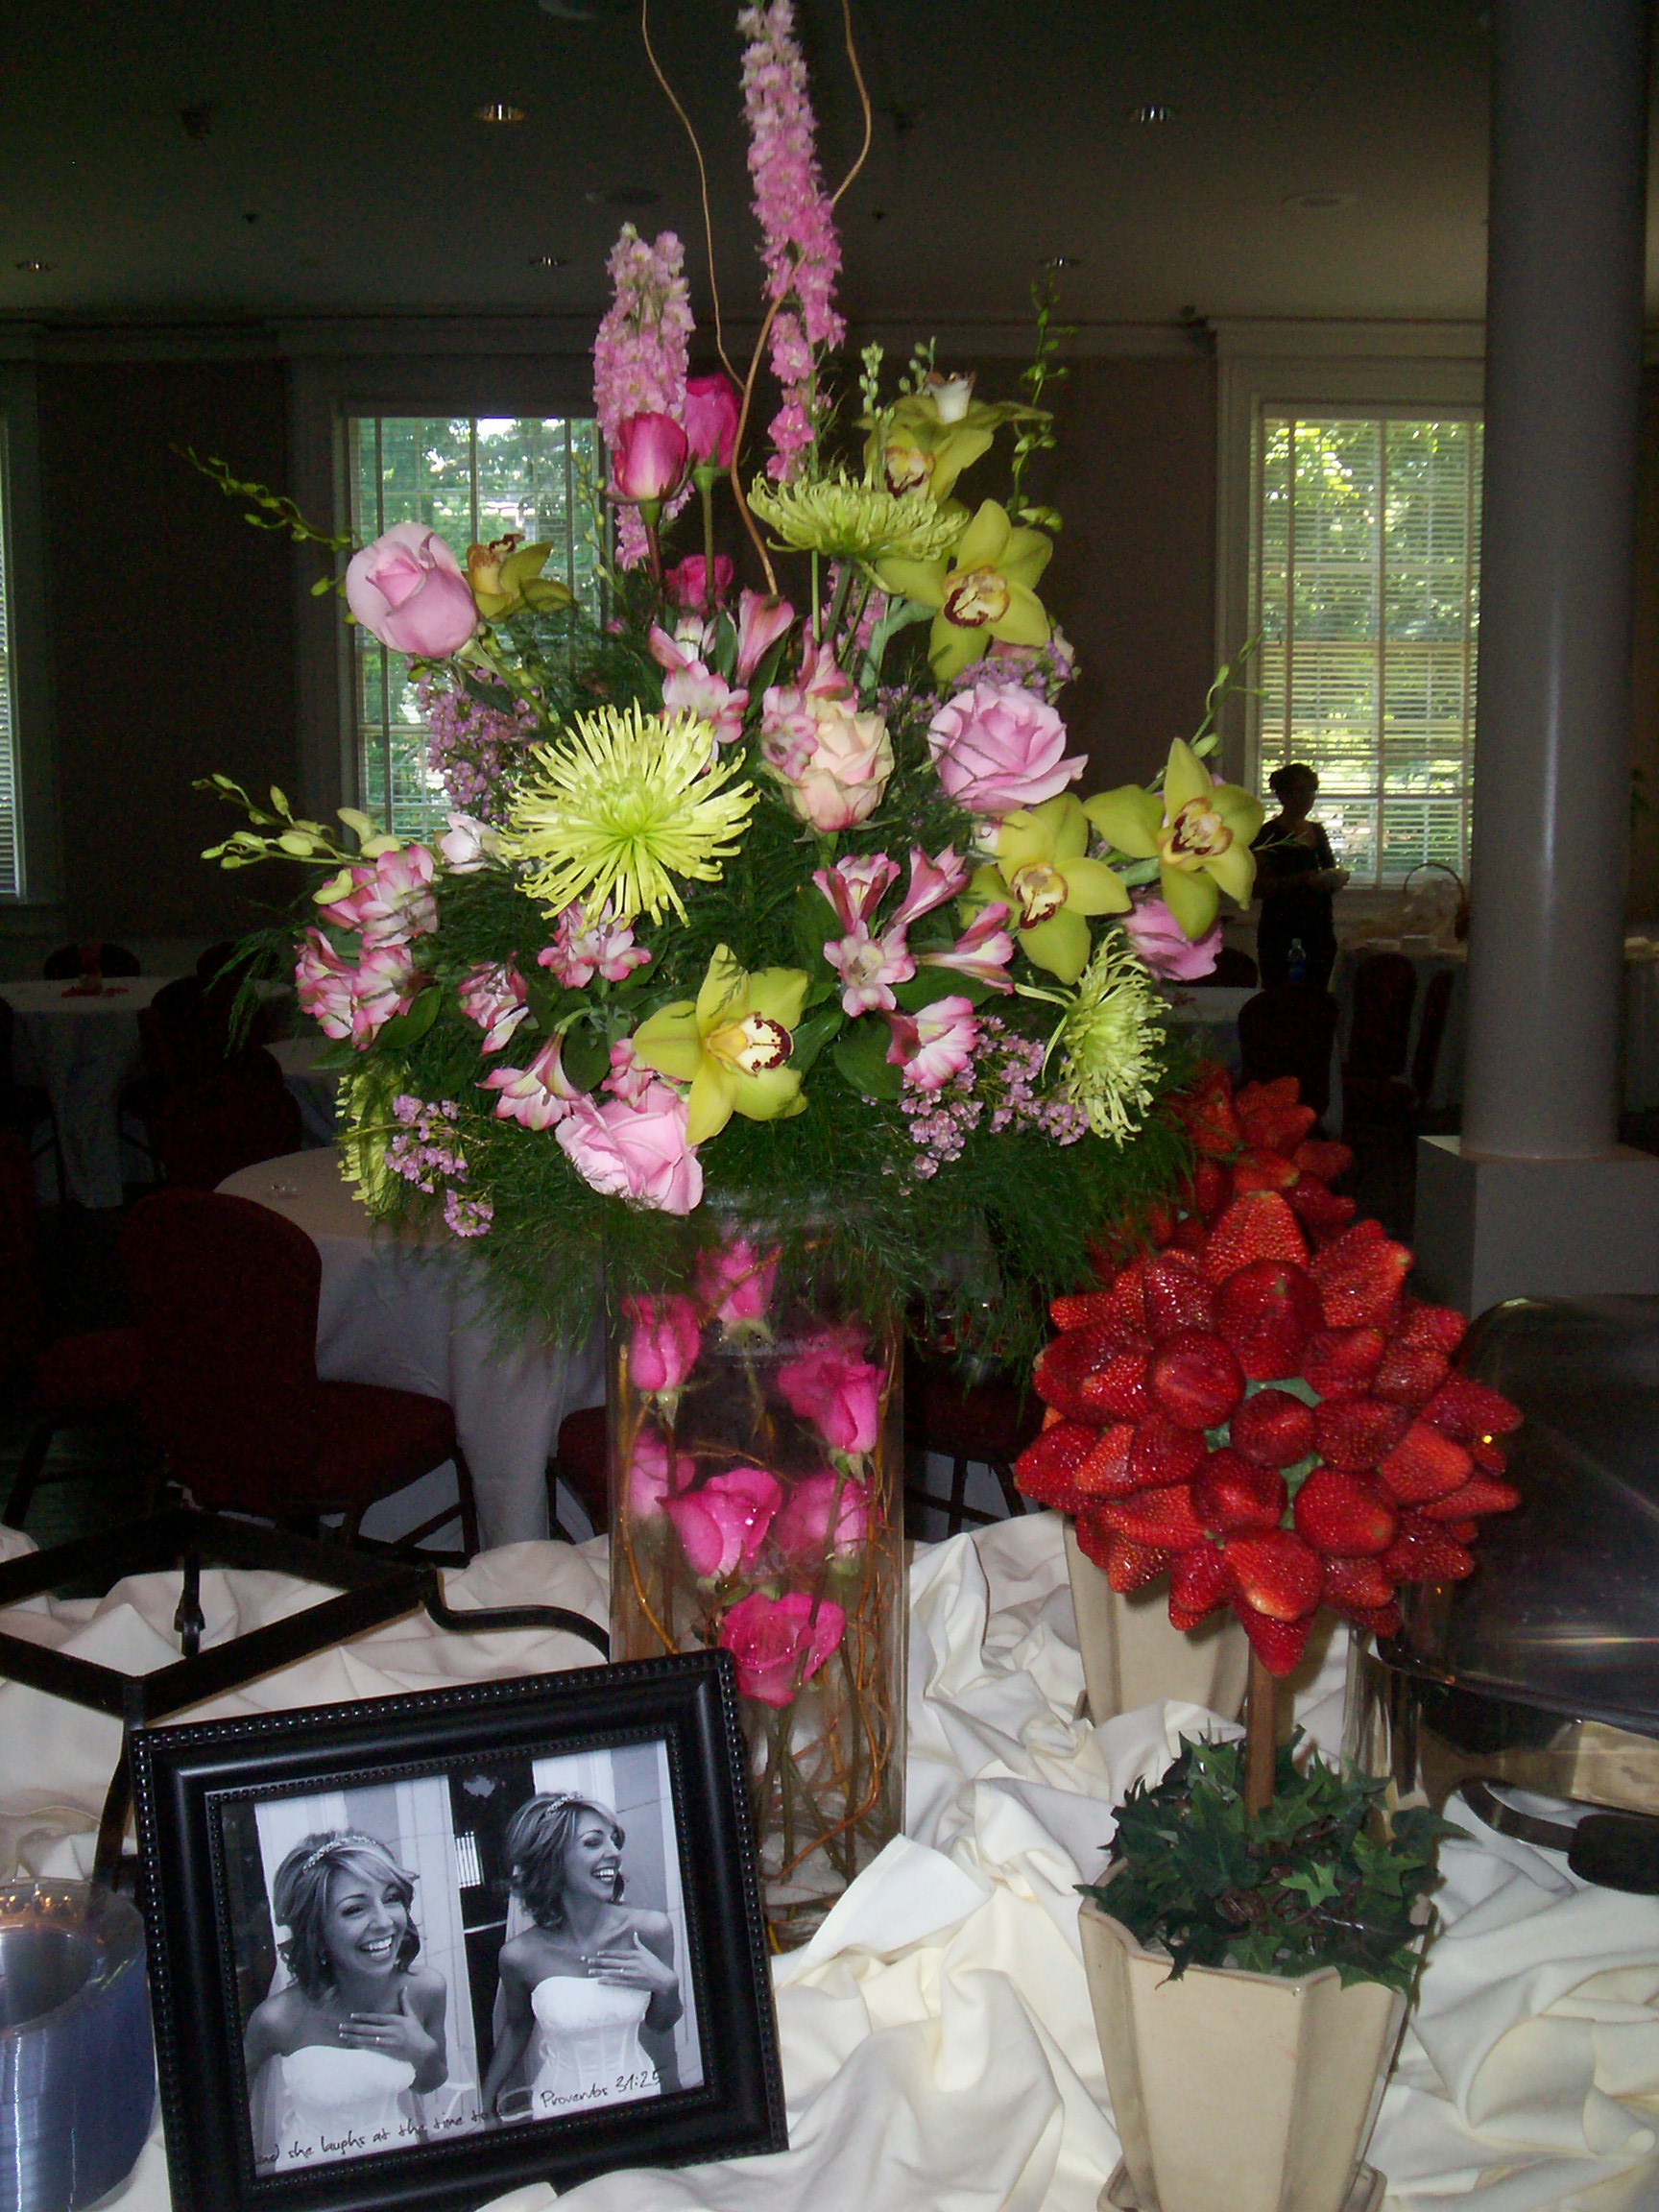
x=1152, y=112
x=549, y=260
x=1320, y=200
x=500, y=112
x=34, y=268
x=1063, y=261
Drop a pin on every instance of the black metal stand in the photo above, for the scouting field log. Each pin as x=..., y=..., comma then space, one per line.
x=372, y=1589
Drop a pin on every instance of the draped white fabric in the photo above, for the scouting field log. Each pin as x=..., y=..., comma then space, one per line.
x=938, y=2050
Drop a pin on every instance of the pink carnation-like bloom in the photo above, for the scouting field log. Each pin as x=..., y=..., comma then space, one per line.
x=722, y=1527
x=999, y=747
x=495, y=999
x=410, y=591
x=650, y=1476
x=836, y=1390
x=1164, y=946
x=778, y=1643
x=735, y=1282
x=538, y=1096
x=581, y=949
x=935, y=1045
x=635, y=1150
x=391, y=899
x=826, y=1516
x=663, y=1344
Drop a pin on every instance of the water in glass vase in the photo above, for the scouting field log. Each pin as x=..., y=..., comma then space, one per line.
x=756, y=1503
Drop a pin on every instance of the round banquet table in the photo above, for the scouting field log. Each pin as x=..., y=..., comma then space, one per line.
x=81, y=1049
x=414, y=1314
x=938, y=2050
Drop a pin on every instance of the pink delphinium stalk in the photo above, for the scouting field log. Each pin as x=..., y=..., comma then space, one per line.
x=639, y=354
x=798, y=245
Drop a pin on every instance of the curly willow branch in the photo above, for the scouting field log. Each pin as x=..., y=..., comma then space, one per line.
x=863, y=103
x=702, y=181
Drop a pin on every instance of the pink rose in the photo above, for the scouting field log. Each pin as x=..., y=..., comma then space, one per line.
x=803, y=1534
x=635, y=1149
x=834, y=777
x=723, y=1526
x=709, y=414
x=409, y=590
x=999, y=747
x=779, y=1643
x=649, y=463
x=650, y=1476
x=494, y=998
x=1165, y=947
x=664, y=1347
x=686, y=584
x=735, y=1282
x=839, y=1393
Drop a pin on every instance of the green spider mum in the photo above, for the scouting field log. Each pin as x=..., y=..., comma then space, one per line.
x=849, y=521
x=1108, y=1042
x=618, y=806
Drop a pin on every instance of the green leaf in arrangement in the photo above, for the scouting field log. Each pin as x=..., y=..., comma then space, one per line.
x=584, y=1057
x=862, y=1056
x=812, y=1035
x=928, y=984
x=405, y=1029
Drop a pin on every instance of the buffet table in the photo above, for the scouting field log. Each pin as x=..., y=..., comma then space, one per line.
x=937, y=2045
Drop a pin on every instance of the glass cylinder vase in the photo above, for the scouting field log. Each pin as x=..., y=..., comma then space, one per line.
x=755, y=1440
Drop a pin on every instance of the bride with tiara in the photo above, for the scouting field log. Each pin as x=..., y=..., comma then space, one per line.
x=335, y=2058
x=587, y=1974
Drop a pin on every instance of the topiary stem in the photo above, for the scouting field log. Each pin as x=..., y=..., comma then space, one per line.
x=1261, y=1736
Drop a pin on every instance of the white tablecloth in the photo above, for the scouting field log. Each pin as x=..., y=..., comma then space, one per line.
x=938, y=2050
x=416, y=1316
x=81, y=1049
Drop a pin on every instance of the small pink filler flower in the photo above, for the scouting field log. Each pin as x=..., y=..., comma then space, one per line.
x=779, y=1643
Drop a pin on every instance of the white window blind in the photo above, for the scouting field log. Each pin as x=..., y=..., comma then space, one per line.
x=10, y=855
x=472, y=479
x=1365, y=596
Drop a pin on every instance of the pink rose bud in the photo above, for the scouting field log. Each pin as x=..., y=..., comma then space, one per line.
x=409, y=590
x=779, y=1643
x=664, y=1347
x=722, y=1527
x=709, y=414
x=839, y=1393
x=824, y=1515
x=683, y=584
x=649, y=463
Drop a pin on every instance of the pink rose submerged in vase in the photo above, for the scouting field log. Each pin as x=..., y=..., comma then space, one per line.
x=838, y=1391
x=734, y=1283
x=723, y=1526
x=778, y=1643
x=827, y=1516
x=666, y=1341
x=653, y=1475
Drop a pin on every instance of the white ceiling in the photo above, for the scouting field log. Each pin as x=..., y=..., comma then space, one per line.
x=342, y=173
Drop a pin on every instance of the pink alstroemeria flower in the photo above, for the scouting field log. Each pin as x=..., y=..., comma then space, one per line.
x=936, y=1043
x=648, y=464
x=664, y=1342
x=982, y=952
x=836, y=1390
x=466, y=843
x=1164, y=947
x=581, y=949
x=635, y=1150
x=650, y=1476
x=866, y=965
x=495, y=999
x=692, y=687
x=710, y=413
x=347, y=1001
x=803, y=1534
x=761, y=622
x=722, y=1527
x=538, y=1096
x=409, y=591
x=686, y=584
x=391, y=899
x=777, y=1643
x=931, y=884
x=735, y=1282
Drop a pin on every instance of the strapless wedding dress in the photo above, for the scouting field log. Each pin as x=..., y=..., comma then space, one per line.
x=337, y=2102
x=588, y=2049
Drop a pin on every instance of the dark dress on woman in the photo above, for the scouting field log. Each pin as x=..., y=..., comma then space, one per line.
x=1291, y=910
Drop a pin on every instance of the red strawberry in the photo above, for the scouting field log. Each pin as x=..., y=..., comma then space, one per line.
x=1279, y=1645
x=1322, y=1157
x=1105, y=1473
x=1271, y=1115
x=1380, y=1620
x=1231, y=1498
x=1258, y=1170
x=1409, y=1374
x=1264, y=1310
x=1488, y=1457
x=1360, y=1277
x=1083, y=1309
x=1339, y=1362
x=1423, y=1465
x=1162, y=1519
x=1462, y=1532
x=1344, y=1514
x=1469, y=1413
x=1095, y=1540
x=1356, y=1432
x=1177, y=1296
x=1124, y=1289
x=1424, y=1553
x=1436, y=1325
x=1272, y=1429
x=1206, y=1192
x=1161, y=1453
x=1256, y=1227
x=1094, y=1374
x=1199, y=1580
x=1195, y=1379
x=1132, y=1566
x=1188, y=1235
x=1276, y=1572
x=1321, y=1213
x=1480, y=1494
x=1047, y=1467
x=1356, y=1582
x=1211, y=1125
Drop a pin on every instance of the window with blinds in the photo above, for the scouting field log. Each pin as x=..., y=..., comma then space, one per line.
x=472, y=479
x=11, y=843
x=1364, y=593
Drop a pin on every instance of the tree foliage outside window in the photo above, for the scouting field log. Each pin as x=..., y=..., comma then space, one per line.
x=470, y=478
x=1365, y=595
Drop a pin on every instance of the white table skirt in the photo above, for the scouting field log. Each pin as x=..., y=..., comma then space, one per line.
x=415, y=1317
x=937, y=2045
x=81, y=1049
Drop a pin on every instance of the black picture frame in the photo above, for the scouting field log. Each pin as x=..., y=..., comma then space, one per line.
x=218, y=1802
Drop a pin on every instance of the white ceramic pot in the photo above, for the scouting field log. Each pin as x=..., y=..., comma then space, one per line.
x=1132, y=1657
x=1237, y=2092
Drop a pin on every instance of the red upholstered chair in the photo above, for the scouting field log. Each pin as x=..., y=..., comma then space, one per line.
x=986, y=1424
x=1290, y=1030
x=226, y=1294
x=579, y=1463
x=208, y=1128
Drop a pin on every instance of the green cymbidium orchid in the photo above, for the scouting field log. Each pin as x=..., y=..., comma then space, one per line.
x=1198, y=833
x=984, y=591
x=506, y=577
x=1042, y=875
x=731, y=1046
x=925, y=439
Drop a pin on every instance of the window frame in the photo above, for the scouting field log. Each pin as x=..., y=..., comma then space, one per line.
x=28, y=614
